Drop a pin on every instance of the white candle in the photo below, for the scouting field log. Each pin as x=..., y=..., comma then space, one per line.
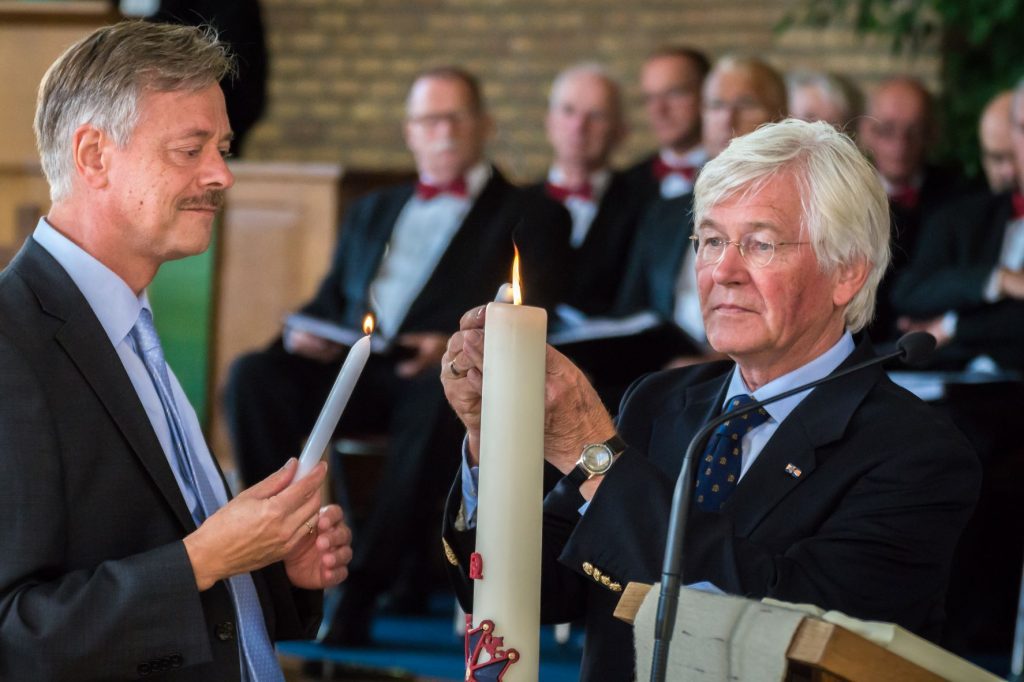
x=508, y=537
x=356, y=359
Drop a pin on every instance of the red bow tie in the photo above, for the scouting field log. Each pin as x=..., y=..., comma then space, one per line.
x=427, y=192
x=662, y=170
x=905, y=196
x=1018, y=205
x=560, y=193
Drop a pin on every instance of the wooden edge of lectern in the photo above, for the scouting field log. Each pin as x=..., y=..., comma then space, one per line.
x=823, y=652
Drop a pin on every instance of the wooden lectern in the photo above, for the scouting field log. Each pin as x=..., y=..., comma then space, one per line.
x=723, y=637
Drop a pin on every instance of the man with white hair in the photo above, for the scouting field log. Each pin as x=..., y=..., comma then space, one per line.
x=584, y=125
x=125, y=555
x=850, y=495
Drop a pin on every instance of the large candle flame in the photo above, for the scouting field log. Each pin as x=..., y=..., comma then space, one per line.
x=368, y=323
x=517, y=286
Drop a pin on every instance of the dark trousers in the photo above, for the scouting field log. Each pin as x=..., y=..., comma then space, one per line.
x=272, y=400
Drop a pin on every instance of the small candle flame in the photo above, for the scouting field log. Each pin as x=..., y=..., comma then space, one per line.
x=517, y=286
x=368, y=323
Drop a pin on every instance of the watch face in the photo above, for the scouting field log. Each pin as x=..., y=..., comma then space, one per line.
x=596, y=459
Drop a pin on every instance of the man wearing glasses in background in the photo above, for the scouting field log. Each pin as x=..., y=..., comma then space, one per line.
x=416, y=256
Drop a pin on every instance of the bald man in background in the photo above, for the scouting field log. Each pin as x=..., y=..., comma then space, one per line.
x=896, y=131
x=996, y=144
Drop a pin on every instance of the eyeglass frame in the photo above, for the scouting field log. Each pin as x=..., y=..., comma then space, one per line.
x=696, y=240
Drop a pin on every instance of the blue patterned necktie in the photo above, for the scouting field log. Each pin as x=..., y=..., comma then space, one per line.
x=718, y=471
x=259, y=660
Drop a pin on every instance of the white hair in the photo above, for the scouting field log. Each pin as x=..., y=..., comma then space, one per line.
x=845, y=209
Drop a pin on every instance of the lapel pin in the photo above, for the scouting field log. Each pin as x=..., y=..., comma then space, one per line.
x=793, y=470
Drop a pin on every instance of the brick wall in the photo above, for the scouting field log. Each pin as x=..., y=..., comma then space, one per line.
x=341, y=68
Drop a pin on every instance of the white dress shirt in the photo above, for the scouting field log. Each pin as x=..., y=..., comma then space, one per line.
x=422, y=233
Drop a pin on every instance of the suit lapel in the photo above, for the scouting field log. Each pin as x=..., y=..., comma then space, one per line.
x=821, y=418
x=465, y=245
x=680, y=420
x=83, y=339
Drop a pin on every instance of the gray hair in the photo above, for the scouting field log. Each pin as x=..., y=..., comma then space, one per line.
x=838, y=90
x=845, y=209
x=100, y=80
x=597, y=70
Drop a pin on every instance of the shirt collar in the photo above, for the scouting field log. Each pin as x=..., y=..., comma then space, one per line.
x=890, y=188
x=112, y=301
x=696, y=157
x=818, y=368
x=476, y=177
x=599, y=181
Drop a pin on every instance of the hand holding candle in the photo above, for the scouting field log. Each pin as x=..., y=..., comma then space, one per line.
x=356, y=359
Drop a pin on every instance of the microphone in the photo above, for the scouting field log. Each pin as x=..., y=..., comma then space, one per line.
x=913, y=348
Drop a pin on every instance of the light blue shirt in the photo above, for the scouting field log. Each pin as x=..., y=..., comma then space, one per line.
x=753, y=442
x=422, y=233
x=117, y=308
x=818, y=368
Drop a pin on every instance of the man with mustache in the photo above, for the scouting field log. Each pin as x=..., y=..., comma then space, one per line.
x=124, y=554
x=850, y=495
x=416, y=255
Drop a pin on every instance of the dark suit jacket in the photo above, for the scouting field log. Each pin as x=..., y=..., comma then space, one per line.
x=600, y=261
x=939, y=187
x=661, y=243
x=477, y=261
x=956, y=255
x=95, y=583
x=641, y=181
x=868, y=528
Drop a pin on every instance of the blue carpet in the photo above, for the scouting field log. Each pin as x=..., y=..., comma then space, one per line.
x=427, y=646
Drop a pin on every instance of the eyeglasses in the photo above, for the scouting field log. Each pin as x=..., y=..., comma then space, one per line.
x=755, y=252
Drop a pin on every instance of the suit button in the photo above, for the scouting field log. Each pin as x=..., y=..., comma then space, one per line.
x=176, y=660
x=144, y=669
x=225, y=631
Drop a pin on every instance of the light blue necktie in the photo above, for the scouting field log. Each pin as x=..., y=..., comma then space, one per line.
x=260, y=661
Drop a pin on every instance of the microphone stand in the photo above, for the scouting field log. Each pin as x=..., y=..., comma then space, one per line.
x=671, y=572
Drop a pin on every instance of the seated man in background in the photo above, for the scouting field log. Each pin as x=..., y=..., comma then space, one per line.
x=965, y=284
x=821, y=96
x=994, y=137
x=124, y=554
x=415, y=256
x=739, y=95
x=584, y=125
x=850, y=495
x=896, y=132
x=670, y=83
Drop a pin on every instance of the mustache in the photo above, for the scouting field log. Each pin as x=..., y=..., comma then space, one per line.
x=212, y=199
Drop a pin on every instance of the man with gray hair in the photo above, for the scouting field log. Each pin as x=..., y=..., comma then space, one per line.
x=125, y=555
x=850, y=495
x=584, y=125
x=823, y=96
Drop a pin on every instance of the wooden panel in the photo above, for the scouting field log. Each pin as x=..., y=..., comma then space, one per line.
x=28, y=45
x=24, y=196
x=835, y=653
x=279, y=232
